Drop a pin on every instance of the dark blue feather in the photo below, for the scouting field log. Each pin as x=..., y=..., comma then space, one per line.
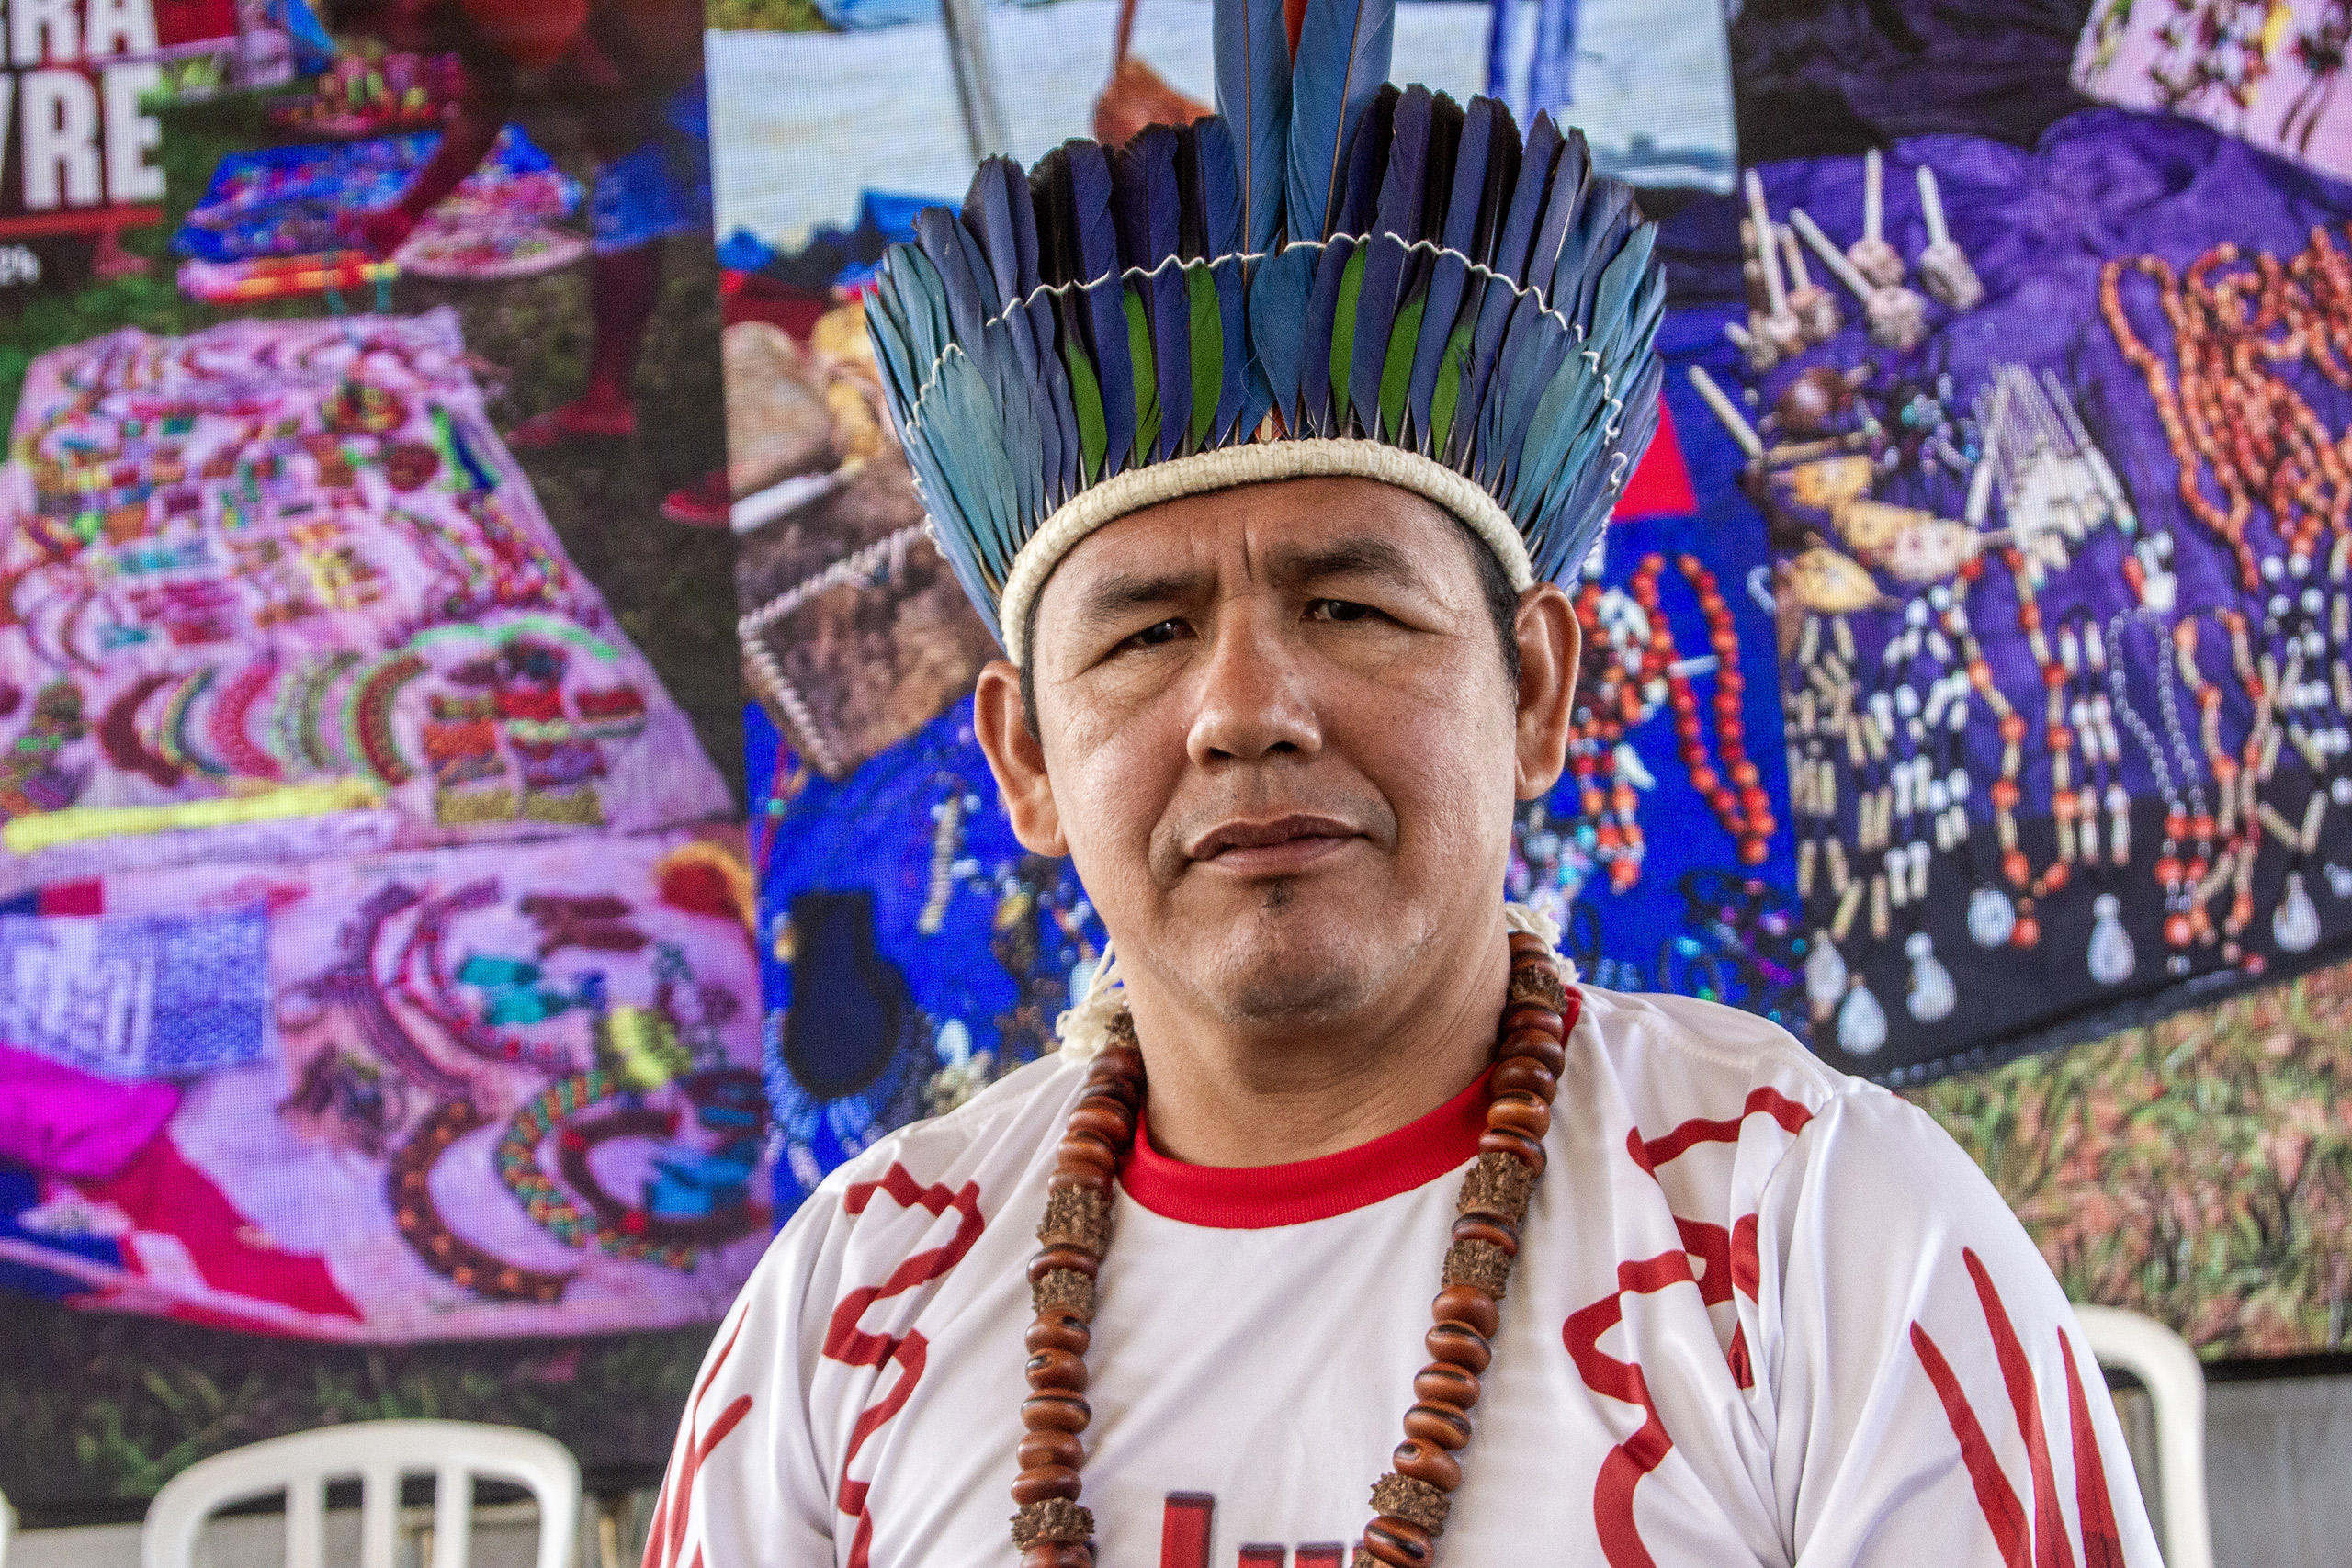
x=1500, y=295
x=1562, y=208
x=1315, y=399
x=1094, y=240
x=1387, y=269
x=1341, y=63
x=1253, y=95
x=1150, y=212
x=1490, y=143
x=1368, y=164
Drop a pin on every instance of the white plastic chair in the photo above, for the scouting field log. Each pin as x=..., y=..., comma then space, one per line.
x=2168, y=1369
x=379, y=1453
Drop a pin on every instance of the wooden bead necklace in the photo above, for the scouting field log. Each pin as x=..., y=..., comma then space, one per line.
x=1409, y=1502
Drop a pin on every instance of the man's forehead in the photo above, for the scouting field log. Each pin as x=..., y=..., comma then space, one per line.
x=1301, y=527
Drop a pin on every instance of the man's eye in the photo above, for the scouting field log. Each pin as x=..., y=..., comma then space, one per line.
x=1165, y=631
x=1337, y=610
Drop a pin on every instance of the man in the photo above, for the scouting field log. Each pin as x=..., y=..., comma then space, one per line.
x=1285, y=647
x=636, y=67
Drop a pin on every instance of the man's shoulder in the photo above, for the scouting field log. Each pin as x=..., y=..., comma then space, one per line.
x=1680, y=1056
x=987, y=1141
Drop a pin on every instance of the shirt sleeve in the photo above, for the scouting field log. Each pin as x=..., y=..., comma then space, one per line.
x=744, y=1488
x=1934, y=1399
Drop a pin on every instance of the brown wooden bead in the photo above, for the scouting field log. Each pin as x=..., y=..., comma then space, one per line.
x=1524, y=1075
x=1537, y=1045
x=1472, y=1228
x=1057, y=1554
x=1400, y=1543
x=1058, y=1331
x=1440, y=1424
x=1046, y=1480
x=1508, y=1141
x=1074, y=1156
x=1049, y=1447
x=1056, y=1413
x=1069, y=1258
x=1057, y=1371
x=1526, y=942
x=1531, y=1117
x=1459, y=1345
x=1098, y=1119
x=1428, y=1461
x=1445, y=1383
x=1469, y=1306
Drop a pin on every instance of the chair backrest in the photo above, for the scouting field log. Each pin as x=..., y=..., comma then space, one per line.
x=2168, y=1369
x=379, y=1453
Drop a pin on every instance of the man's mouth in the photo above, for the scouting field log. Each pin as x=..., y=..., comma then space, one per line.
x=1281, y=845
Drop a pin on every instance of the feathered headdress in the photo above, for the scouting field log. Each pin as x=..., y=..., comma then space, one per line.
x=1329, y=277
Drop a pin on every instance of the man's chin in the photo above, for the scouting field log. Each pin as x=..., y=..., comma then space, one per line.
x=1303, y=954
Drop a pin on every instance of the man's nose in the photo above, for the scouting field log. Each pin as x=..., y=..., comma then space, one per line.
x=1254, y=698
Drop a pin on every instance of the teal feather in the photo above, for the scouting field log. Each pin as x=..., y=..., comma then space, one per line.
x=1280, y=293
x=1484, y=163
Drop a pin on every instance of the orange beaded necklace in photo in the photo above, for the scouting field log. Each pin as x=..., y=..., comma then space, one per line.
x=1409, y=1502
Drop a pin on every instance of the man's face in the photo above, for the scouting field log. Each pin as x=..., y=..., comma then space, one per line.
x=1278, y=737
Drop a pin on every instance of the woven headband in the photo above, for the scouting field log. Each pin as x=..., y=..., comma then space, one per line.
x=1330, y=276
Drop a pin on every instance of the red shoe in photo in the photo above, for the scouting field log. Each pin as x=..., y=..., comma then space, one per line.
x=705, y=504
x=582, y=421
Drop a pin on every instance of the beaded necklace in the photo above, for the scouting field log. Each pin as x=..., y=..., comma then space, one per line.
x=1410, y=1502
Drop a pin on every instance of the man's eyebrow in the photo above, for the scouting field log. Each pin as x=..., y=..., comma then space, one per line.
x=1122, y=594
x=1358, y=555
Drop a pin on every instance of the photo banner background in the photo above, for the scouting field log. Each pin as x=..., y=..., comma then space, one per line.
x=378, y=1032
x=887, y=874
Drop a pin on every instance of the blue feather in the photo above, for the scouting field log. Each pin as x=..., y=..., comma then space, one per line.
x=1387, y=269
x=1253, y=95
x=1279, y=294
x=1621, y=282
x=1151, y=213
x=1343, y=63
x=997, y=213
x=1220, y=199
x=1601, y=230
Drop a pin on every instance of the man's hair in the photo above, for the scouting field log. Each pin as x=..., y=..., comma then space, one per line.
x=1502, y=610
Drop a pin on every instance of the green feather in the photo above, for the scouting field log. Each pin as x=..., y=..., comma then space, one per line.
x=1146, y=377
x=1396, y=373
x=1449, y=381
x=1093, y=439
x=1208, y=352
x=1344, y=333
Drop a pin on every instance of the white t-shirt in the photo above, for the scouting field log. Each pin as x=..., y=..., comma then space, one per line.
x=1762, y=1313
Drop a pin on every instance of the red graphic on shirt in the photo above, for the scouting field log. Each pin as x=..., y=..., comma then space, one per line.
x=667, y=1539
x=847, y=1343
x=1727, y=1256
x=1184, y=1530
x=2044, y=1540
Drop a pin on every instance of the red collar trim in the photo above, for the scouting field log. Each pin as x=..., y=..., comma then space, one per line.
x=1259, y=1197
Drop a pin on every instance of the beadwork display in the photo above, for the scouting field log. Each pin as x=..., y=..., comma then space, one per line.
x=485, y=1090
x=2062, y=609
x=283, y=583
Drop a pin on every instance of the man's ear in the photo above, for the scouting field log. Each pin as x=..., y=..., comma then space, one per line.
x=1551, y=643
x=1017, y=758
